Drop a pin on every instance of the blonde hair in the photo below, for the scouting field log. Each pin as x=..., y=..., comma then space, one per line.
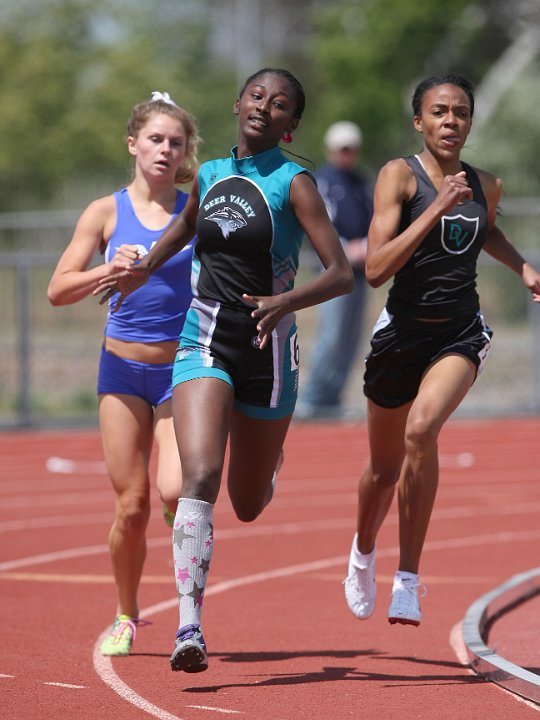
x=142, y=112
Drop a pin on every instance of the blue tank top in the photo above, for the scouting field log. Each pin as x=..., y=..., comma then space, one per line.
x=248, y=238
x=439, y=279
x=156, y=311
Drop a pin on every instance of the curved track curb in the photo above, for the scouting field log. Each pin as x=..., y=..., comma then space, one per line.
x=485, y=610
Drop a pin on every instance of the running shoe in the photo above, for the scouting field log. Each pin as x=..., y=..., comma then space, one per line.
x=190, y=653
x=360, y=587
x=122, y=635
x=405, y=606
x=168, y=516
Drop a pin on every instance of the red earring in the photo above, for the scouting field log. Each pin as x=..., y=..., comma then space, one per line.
x=287, y=138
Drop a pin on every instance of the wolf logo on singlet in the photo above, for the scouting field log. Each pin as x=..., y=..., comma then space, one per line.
x=228, y=220
x=248, y=241
x=236, y=232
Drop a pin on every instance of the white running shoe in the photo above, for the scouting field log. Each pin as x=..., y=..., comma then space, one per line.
x=360, y=586
x=405, y=606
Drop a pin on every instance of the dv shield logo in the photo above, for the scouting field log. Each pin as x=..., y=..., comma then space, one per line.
x=458, y=233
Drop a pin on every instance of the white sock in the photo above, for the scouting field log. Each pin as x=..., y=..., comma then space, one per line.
x=403, y=575
x=193, y=543
x=361, y=560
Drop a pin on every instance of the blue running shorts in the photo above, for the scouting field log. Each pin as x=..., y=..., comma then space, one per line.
x=149, y=381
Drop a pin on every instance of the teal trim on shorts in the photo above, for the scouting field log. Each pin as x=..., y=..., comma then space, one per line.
x=182, y=376
x=265, y=413
x=253, y=411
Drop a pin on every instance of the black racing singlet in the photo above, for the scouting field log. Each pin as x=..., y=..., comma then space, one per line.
x=248, y=237
x=439, y=279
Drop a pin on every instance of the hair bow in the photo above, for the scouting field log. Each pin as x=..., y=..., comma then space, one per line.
x=165, y=97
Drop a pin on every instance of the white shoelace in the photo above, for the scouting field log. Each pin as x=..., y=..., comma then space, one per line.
x=413, y=592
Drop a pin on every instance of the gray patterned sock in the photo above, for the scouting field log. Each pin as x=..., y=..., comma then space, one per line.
x=193, y=543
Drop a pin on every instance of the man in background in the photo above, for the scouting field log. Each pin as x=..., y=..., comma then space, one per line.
x=349, y=200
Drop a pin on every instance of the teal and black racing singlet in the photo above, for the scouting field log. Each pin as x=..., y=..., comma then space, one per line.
x=248, y=238
x=439, y=279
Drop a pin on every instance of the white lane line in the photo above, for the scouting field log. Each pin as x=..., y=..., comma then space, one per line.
x=45, y=521
x=215, y=709
x=104, y=669
x=461, y=460
x=30, y=486
x=297, y=528
x=226, y=534
x=90, y=496
x=64, y=466
x=232, y=533
x=102, y=498
x=55, y=684
x=458, y=646
x=103, y=665
x=55, y=521
x=53, y=556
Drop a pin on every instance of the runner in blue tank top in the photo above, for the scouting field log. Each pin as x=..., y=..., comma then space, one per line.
x=433, y=216
x=135, y=371
x=236, y=373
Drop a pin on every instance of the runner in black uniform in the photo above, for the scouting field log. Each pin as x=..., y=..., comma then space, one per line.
x=433, y=215
x=235, y=376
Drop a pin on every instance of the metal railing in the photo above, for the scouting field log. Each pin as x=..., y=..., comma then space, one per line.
x=49, y=356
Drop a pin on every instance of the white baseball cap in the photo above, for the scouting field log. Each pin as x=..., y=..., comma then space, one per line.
x=343, y=134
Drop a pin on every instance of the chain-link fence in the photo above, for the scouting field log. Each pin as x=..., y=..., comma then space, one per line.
x=49, y=356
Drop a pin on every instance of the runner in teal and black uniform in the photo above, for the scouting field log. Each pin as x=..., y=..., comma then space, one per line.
x=236, y=373
x=248, y=243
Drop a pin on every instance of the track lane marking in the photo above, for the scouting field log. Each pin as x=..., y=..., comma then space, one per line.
x=103, y=664
x=215, y=709
x=84, y=579
x=277, y=528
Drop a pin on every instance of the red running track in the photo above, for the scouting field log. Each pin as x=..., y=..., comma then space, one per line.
x=283, y=644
